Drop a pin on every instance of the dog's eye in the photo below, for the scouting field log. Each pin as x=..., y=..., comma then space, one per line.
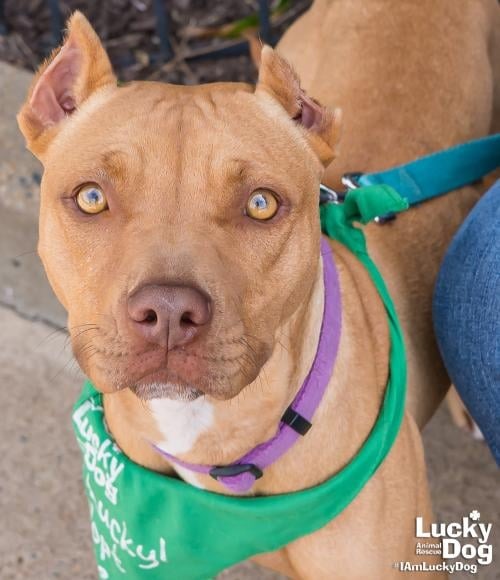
x=262, y=205
x=90, y=199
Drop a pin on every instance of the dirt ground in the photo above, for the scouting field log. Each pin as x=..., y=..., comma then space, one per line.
x=128, y=30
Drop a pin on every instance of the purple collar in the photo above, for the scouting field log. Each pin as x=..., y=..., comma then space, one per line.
x=240, y=476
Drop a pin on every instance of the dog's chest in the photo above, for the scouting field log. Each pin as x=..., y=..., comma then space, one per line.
x=180, y=424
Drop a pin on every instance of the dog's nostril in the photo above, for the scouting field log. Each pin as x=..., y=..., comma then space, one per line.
x=187, y=319
x=151, y=317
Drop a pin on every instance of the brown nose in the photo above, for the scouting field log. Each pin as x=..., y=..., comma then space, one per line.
x=169, y=316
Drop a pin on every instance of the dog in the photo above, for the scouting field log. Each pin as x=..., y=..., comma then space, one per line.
x=179, y=228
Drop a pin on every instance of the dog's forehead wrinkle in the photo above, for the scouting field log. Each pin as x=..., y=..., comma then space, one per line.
x=116, y=162
x=179, y=158
x=165, y=102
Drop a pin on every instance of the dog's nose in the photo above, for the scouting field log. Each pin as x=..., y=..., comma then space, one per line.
x=169, y=316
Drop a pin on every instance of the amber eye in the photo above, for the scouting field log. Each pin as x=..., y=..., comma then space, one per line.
x=90, y=199
x=262, y=205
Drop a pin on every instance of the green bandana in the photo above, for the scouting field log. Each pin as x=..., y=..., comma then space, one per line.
x=147, y=526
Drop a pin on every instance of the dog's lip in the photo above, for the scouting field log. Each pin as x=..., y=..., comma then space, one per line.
x=171, y=391
x=158, y=366
x=165, y=383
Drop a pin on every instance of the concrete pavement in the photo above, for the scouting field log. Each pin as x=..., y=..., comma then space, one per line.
x=44, y=531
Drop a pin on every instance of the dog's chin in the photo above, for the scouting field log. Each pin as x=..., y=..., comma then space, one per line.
x=165, y=390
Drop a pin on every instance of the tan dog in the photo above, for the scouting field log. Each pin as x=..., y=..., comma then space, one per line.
x=177, y=284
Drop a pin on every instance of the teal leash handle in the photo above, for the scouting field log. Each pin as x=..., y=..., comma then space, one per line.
x=440, y=172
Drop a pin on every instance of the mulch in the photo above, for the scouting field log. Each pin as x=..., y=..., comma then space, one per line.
x=128, y=31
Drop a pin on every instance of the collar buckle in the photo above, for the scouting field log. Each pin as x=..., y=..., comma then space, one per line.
x=234, y=470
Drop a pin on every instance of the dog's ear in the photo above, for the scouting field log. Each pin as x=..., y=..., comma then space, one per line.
x=321, y=126
x=73, y=73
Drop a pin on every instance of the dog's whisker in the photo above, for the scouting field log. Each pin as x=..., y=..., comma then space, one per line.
x=51, y=336
x=29, y=253
x=94, y=328
x=62, y=369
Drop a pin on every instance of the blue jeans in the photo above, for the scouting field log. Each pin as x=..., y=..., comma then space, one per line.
x=466, y=314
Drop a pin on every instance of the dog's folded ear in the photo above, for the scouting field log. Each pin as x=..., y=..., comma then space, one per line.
x=73, y=73
x=321, y=126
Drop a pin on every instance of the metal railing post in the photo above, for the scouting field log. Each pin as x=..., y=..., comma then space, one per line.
x=3, y=21
x=56, y=23
x=162, y=30
x=265, y=21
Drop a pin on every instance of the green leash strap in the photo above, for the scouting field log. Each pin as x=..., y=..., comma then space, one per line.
x=440, y=172
x=147, y=526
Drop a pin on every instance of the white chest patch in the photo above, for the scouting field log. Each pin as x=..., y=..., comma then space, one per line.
x=181, y=422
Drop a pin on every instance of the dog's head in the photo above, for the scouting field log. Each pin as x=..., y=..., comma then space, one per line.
x=179, y=225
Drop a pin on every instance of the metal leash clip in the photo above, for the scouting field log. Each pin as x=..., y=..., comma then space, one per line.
x=329, y=195
x=351, y=180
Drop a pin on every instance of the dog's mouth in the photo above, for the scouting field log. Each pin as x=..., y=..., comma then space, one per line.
x=220, y=371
